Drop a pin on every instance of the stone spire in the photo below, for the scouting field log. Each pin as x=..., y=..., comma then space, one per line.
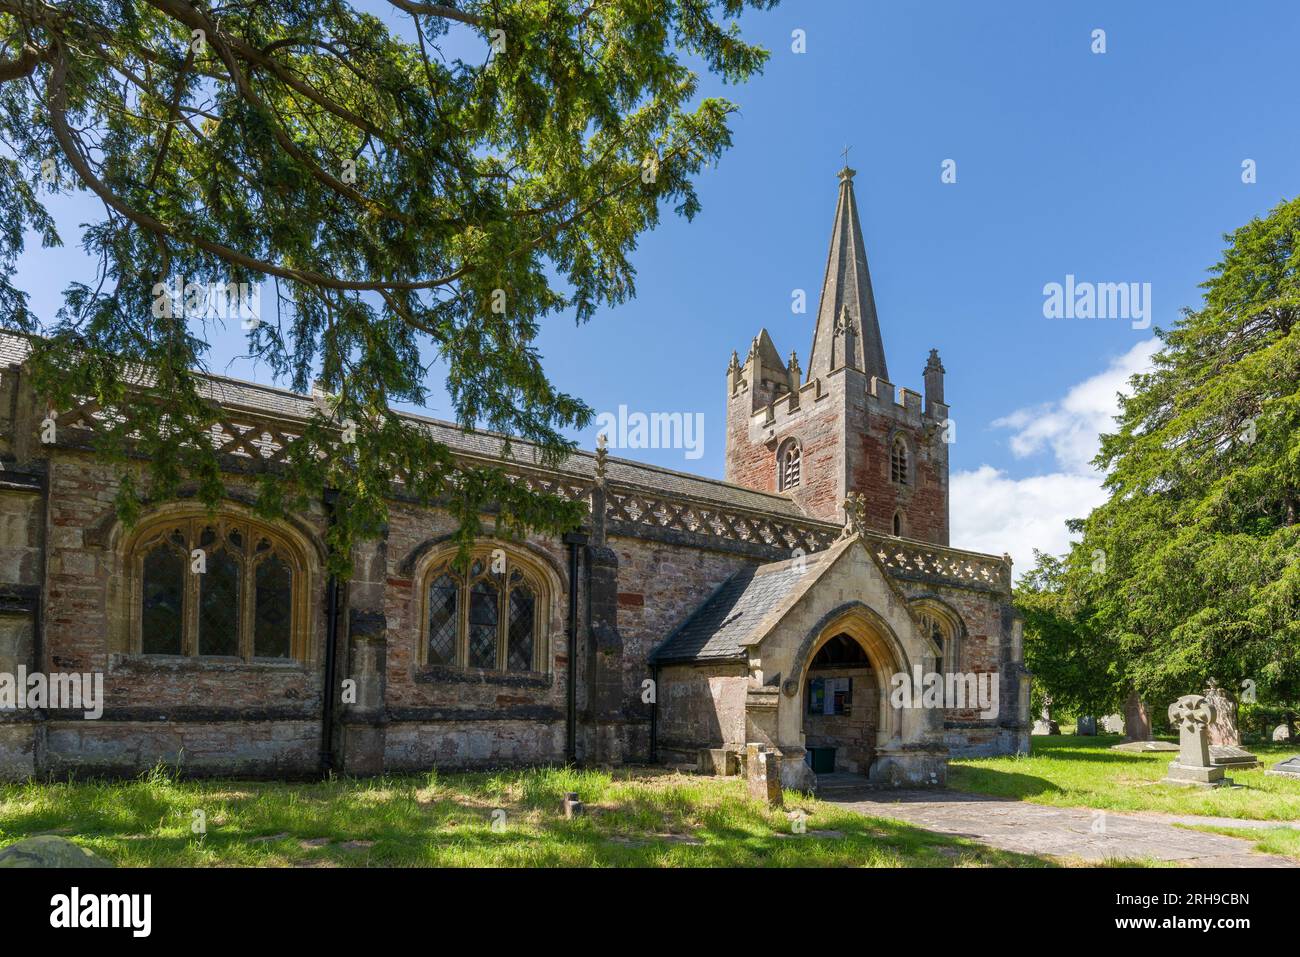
x=848, y=332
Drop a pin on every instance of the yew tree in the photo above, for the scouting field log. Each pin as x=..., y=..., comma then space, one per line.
x=396, y=204
x=1192, y=566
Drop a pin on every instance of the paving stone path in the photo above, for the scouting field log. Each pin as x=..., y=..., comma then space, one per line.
x=1062, y=832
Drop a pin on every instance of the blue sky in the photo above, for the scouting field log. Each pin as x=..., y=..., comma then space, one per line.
x=1124, y=166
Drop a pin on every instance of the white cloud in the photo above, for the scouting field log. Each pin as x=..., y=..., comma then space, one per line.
x=994, y=512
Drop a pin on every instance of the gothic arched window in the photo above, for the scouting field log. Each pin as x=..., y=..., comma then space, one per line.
x=898, y=461
x=223, y=587
x=789, y=463
x=898, y=524
x=943, y=628
x=487, y=615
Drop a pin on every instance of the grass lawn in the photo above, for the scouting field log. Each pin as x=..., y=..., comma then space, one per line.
x=1070, y=771
x=1269, y=840
x=634, y=818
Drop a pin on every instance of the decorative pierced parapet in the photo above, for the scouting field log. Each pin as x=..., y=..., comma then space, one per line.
x=257, y=440
x=564, y=484
x=644, y=507
x=629, y=509
x=247, y=437
x=908, y=559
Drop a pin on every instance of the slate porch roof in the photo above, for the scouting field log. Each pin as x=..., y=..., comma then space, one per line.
x=283, y=404
x=741, y=608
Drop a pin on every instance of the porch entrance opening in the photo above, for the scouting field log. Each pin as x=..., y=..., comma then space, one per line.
x=841, y=704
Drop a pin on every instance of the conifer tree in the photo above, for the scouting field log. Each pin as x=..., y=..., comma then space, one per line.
x=397, y=205
x=1200, y=539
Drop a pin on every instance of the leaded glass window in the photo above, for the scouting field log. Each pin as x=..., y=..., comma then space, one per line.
x=224, y=588
x=484, y=619
x=519, y=640
x=444, y=620
x=219, y=605
x=162, y=584
x=488, y=618
x=789, y=464
x=273, y=618
x=938, y=627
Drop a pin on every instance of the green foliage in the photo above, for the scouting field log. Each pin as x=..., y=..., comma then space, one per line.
x=1257, y=720
x=1072, y=662
x=391, y=200
x=1201, y=533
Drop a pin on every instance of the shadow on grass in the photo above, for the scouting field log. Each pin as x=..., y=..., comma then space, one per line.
x=994, y=784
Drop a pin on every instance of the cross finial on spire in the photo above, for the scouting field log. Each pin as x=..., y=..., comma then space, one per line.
x=846, y=174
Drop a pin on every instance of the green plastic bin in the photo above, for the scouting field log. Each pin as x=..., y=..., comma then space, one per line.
x=822, y=760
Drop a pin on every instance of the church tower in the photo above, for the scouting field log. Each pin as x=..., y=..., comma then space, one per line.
x=842, y=427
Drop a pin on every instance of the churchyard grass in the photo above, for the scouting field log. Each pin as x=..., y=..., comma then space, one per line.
x=1072, y=771
x=1268, y=840
x=633, y=818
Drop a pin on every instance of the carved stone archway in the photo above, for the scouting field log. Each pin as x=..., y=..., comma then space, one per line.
x=881, y=646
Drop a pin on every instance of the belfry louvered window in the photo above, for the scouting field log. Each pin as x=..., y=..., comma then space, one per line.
x=486, y=617
x=898, y=462
x=789, y=465
x=218, y=588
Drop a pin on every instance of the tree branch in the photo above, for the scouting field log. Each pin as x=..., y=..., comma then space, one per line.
x=438, y=10
x=25, y=64
x=57, y=104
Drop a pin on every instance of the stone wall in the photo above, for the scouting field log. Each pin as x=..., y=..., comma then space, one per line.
x=701, y=706
x=659, y=586
x=205, y=715
x=987, y=645
x=876, y=418
x=815, y=418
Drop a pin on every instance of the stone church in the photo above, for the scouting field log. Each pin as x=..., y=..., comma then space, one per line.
x=686, y=618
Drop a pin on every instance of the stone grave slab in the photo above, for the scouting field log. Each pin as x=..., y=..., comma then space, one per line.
x=1230, y=756
x=1290, y=768
x=1144, y=746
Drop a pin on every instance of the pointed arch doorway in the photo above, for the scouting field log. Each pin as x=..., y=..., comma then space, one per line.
x=841, y=701
x=845, y=715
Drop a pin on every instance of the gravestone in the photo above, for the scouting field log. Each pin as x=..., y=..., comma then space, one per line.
x=1281, y=733
x=1086, y=725
x=1137, y=723
x=1144, y=746
x=1113, y=724
x=763, y=773
x=718, y=761
x=1290, y=768
x=1192, y=715
x=572, y=805
x=1045, y=724
x=1223, y=730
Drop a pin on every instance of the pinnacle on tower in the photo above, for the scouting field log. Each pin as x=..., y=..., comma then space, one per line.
x=933, y=374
